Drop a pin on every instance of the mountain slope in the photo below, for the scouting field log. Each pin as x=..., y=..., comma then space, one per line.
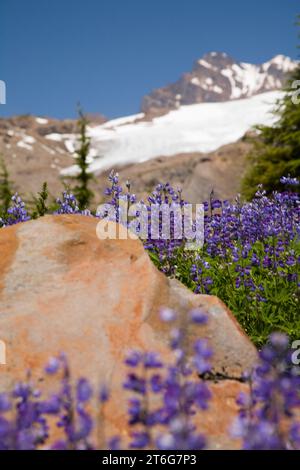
x=182, y=145
x=196, y=128
x=196, y=173
x=218, y=77
x=32, y=158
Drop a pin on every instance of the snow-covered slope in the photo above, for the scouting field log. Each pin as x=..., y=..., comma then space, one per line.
x=218, y=77
x=195, y=128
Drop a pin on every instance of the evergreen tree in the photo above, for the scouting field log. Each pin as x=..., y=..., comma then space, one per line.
x=41, y=207
x=276, y=151
x=83, y=193
x=6, y=190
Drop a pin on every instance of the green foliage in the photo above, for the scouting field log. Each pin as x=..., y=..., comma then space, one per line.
x=82, y=191
x=276, y=152
x=6, y=190
x=280, y=307
x=40, y=202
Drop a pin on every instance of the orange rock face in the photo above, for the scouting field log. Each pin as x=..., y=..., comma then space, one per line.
x=63, y=289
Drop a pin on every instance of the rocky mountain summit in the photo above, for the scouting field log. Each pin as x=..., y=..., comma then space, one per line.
x=169, y=141
x=218, y=77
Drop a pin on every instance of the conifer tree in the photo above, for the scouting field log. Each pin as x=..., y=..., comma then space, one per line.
x=276, y=150
x=6, y=190
x=83, y=193
x=41, y=207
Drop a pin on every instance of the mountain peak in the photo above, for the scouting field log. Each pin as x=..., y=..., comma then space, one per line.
x=283, y=62
x=215, y=55
x=218, y=77
x=215, y=59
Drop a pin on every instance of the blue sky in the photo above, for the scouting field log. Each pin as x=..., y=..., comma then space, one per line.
x=107, y=54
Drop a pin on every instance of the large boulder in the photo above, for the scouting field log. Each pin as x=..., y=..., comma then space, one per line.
x=63, y=289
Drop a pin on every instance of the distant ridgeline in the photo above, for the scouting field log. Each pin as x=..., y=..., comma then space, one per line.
x=218, y=77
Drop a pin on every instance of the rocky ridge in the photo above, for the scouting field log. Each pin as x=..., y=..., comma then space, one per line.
x=218, y=77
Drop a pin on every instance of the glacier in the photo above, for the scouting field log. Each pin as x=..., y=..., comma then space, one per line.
x=200, y=127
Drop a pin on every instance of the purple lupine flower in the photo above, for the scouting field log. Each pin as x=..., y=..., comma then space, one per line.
x=51, y=406
x=84, y=390
x=5, y=404
x=166, y=442
x=198, y=316
x=152, y=361
x=287, y=180
x=167, y=315
x=140, y=440
x=273, y=397
x=180, y=395
x=156, y=383
x=104, y=394
x=202, y=357
x=52, y=366
x=135, y=411
x=114, y=443
x=68, y=204
x=135, y=383
x=16, y=212
x=84, y=427
x=133, y=359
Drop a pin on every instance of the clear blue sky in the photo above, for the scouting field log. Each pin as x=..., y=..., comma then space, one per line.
x=109, y=53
